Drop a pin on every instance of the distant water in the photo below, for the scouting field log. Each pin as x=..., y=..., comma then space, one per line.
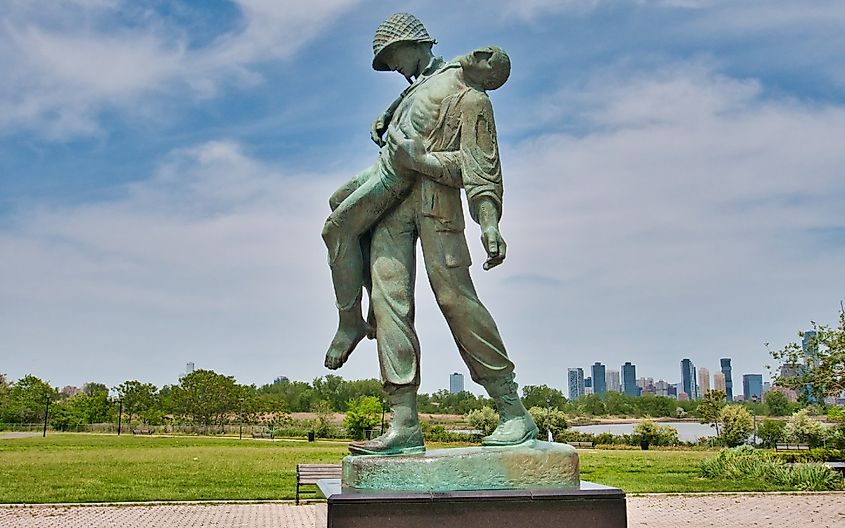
x=687, y=431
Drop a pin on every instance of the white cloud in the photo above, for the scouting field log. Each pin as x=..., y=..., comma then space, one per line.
x=64, y=65
x=689, y=208
x=216, y=259
x=682, y=223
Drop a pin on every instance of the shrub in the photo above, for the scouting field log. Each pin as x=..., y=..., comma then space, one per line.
x=362, y=413
x=803, y=429
x=737, y=425
x=745, y=462
x=548, y=419
x=484, y=419
x=770, y=432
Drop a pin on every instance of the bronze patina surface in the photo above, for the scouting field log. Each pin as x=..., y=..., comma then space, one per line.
x=436, y=141
x=531, y=465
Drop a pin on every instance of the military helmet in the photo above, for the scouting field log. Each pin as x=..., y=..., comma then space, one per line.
x=398, y=27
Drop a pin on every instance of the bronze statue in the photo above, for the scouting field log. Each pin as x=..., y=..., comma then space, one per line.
x=440, y=137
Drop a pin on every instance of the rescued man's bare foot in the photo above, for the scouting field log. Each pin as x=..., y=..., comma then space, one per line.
x=350, y=332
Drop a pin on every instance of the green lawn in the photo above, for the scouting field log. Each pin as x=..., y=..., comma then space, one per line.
x=95, y=468
x=674, y=471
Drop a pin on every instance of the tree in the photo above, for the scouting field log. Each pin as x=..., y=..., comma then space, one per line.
x=484, y=419
x=137, y=397
x=4, y=394
x=770, y=432
x=542, y=396
x=205, y=397
x=737, y=425
x=710, y=407
x=362, y=413
x=777, y=403
x=618, y=404
x=652, y=405
x=818, y=368
x=591, y=404
x=549, y=419
x=27, y=400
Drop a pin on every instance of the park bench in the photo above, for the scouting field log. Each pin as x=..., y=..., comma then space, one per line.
x=792, y=447
x=836, y=466
x=141, y=431
x=262, y=434
x=309, y=474
x=582, y=445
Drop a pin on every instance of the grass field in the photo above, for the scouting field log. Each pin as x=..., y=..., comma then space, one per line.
x=105, y=468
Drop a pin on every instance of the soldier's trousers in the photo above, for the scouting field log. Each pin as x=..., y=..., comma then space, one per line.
x=446, y=256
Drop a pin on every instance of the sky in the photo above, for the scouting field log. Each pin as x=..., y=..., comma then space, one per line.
x=674, y=176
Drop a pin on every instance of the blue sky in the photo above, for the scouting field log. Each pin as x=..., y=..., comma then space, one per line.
x=674, y=174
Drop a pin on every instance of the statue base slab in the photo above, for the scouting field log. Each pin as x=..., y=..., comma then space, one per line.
x=531, y=465
x=589, y=504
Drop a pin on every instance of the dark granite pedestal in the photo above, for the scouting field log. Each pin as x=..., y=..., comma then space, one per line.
x=590, y=505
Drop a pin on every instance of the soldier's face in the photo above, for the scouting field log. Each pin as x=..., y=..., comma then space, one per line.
x=405, y=58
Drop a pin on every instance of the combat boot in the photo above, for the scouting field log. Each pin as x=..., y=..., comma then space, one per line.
x=404, y=436
x=515, y=423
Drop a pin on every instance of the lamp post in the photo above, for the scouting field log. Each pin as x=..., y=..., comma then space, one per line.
x=754, y=418
x=46, y=413
x=241, y=428
x=119, y=416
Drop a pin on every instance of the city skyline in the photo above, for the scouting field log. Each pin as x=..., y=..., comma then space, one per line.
x=752, y=383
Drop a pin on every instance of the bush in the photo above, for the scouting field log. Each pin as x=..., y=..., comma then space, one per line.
x=745, y=462
x=737, y=425
x=804, y=430
x=813, y=455
x=659, y=435
x=548, y=419
x=770, y=432
x=362, y=413
x=484, y=419
x=438, y=433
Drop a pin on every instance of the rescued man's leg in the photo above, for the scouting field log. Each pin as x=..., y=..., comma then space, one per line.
x=342, y=232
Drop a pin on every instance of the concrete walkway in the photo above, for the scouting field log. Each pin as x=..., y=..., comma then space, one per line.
x=816, y=510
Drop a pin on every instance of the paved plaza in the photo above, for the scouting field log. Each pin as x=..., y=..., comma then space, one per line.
x=816, y=510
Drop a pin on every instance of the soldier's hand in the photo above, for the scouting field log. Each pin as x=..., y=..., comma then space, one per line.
x=405, y=153
x=494, y=245
x=377, y=131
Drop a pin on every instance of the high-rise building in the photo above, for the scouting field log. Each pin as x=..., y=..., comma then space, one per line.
x=613, y=382
x=752, y=386
x=189, y=367
x=280, y=379
x=719, y=382
x=703, y=381
x=662, y=388
x=725, y=364
x=456, y=383
x=599, y=382
x=688, y=384
x=629, y=379
x=810, y=346
x=576, y=383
